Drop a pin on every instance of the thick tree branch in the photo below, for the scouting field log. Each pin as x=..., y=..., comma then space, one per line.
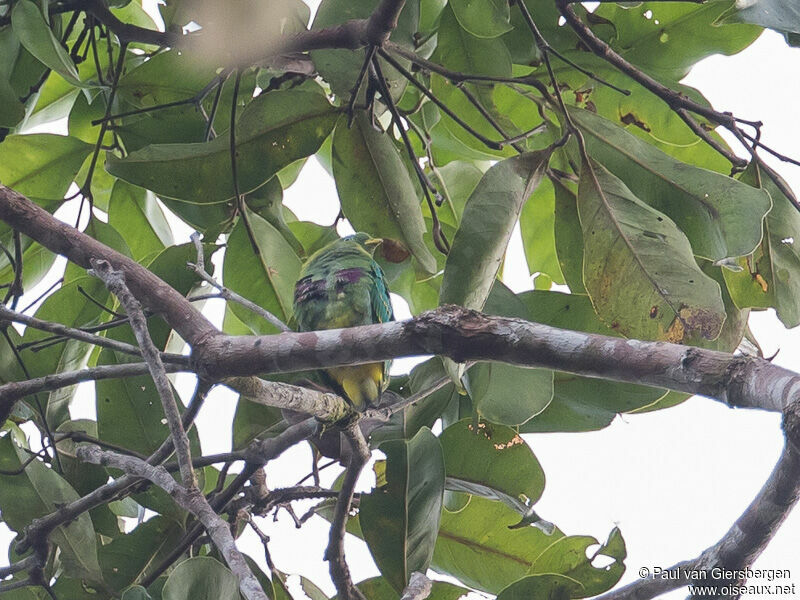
x=35, y=222
x=449, y=331
x=465, y=335
x=190, y=499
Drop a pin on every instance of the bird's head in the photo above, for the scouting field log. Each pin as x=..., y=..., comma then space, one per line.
x=366, y=241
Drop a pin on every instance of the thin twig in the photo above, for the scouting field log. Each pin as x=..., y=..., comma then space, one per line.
x=439, y=239
x=83, y=336
x=115, y=282
x=334, y=554
x=227, y=294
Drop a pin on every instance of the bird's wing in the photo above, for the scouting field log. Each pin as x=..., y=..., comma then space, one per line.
x=381, y=303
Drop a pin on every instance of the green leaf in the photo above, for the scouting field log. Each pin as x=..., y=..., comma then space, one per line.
x=568, y=556
x=462, y=52
x=11, y=109
x=136, y=592
x=41, y=165
x=375, y=189
x=542, y=587
x=129, y=410
x=509, y=395
x=494, y=462
x=340, y=68
x=537, y=224
x=483, y=19
x=39, y=491
x=378, y=588
x=35, y=34
x=266, y=278
x=639, y=268
x=721, y=216
x=132, y=556
x=666, y=39
x=250, y=420
x=488, y=221
x=780, y=15
x=201, y=578
x=568, y=236
x=400, y=519
x=273, y=131
x=771, y=276
x=135, y=213
x=267, y=202
x=476, y=546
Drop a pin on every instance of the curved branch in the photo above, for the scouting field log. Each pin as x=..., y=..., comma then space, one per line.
x=740, y=546
x=35, y=222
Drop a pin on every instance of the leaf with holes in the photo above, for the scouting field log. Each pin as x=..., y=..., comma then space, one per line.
x=721, y=217
x=638, y=267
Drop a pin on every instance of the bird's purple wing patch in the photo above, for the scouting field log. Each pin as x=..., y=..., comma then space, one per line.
x=307, y=289
x=346, y=276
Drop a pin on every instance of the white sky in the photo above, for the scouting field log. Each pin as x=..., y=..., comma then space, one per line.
x=673, y=480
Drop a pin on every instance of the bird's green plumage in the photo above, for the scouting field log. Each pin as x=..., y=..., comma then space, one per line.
x=342, y=286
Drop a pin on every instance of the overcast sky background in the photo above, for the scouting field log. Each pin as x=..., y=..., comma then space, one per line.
x=674, y=481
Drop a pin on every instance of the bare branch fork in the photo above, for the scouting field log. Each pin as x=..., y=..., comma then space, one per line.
x=191, y=499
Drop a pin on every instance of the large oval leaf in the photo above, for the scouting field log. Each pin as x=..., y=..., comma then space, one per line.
x=489, y=218
x=492, y=461
x=39, y=491
x=638, y=267
x=35, y=34
x=375, y=189
x=771, y=276
x=133, y=555
x=201, y=578
x=400, y=519
x=41, y=165
x=483, y=19
x=273, y=131
x=721, y=216
x=266, y=278
x=134, y=212
x=580, y=403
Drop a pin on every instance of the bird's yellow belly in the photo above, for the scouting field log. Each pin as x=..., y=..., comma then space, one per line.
x=362, y=384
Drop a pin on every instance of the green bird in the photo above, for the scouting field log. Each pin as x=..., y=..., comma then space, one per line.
x=342, y=286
